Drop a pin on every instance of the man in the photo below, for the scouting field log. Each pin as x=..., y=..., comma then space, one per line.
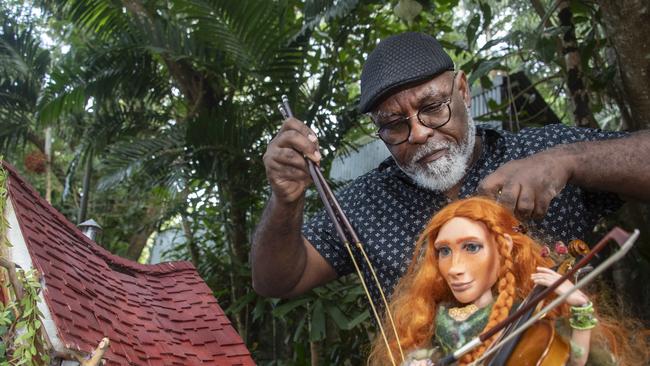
x=554, y=178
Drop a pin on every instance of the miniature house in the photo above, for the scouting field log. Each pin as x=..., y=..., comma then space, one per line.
x=161, y=314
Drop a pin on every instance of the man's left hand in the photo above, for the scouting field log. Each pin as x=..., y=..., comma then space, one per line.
x=527, y=186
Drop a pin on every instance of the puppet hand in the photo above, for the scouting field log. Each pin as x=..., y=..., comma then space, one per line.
x=284, y=160
x=546, y=277
x=419, y=357
x=527, y=186
x=418, y=363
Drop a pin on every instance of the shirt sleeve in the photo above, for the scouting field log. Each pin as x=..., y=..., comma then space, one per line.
x=533, y=140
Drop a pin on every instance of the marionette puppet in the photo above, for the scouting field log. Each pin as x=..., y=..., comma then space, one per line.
x=471, y=265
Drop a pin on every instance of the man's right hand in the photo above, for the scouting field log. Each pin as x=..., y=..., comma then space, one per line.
x=284, y=160
x=284, y=263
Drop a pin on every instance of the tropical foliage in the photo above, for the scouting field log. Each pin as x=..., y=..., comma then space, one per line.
x=159, y=113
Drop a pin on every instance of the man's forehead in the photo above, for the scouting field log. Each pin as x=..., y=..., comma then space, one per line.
x=436, y=87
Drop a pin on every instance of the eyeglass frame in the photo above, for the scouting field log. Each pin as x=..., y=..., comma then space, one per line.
x=446, y=103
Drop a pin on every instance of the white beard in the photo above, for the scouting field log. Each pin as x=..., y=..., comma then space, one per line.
x=447, y=171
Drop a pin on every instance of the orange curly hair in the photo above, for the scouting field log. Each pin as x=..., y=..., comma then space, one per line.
x=422, y=288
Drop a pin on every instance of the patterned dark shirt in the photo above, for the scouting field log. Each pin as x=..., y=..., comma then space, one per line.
x=389, y=211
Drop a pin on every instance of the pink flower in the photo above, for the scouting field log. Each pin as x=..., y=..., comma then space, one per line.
x=545, y=251
x=560, y=248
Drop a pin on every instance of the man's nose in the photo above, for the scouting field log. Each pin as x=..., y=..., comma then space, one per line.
x=419, y=132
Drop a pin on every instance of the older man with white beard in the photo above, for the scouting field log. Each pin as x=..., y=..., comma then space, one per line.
x=560, y=180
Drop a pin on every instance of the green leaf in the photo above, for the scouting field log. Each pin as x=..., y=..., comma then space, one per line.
x=317, y=326
x=486, y=10
x=283, y=309
x=486, y=83
x=484, y=66
x=407, y=10
x=300, y=327
x=472, y=29
x=492, y=104
x=359, y=319
x=260, y=310
x=495, y=41
x=337, y=315
x=241, y=302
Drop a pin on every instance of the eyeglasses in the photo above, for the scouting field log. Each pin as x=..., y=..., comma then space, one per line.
x=434, y=115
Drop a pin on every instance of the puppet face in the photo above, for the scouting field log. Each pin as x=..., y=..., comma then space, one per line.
x=468, y=260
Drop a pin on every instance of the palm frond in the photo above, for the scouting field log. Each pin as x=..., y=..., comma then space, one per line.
x=23, y=66
x=159, y=160
x=318, y=11
x=245, y=31
x=104, y=19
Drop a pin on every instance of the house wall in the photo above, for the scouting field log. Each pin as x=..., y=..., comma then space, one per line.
x=19, y=254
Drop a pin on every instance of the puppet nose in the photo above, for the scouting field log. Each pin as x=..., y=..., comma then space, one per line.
x=457, y=267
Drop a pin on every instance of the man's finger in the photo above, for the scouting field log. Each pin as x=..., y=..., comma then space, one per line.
x=303, y=145
x=300, y=127
x=525, y=203
x=543, y=201
x=489, y=187
x=541, y=206
x=508, y=196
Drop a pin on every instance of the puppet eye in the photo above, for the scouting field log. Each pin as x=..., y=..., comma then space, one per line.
x=472, y=247
x=443, y=251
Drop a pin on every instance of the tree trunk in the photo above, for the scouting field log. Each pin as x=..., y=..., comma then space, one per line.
x=314, y=350
x=539, y=8
x=85, y=193
x=577, y=88
x=236, y=199
x=138, y=240
x=48, y=164
x=628, y=25
x=189, y=237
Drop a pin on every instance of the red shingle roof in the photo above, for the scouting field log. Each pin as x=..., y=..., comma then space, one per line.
x=160, y=314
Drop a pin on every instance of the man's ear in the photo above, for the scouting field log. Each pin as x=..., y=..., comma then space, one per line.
x=509, y=241
x=464, y=89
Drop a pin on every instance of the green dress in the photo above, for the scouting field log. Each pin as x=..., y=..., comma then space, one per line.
x=451, y=334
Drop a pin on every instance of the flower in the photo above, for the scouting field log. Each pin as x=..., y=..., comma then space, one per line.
x=560, y=248
x=545, y=251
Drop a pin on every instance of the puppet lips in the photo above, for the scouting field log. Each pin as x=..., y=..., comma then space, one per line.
x=461, y=286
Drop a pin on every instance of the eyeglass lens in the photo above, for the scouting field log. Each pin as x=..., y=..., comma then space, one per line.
x=432, y=116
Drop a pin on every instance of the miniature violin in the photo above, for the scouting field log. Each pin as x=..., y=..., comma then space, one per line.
x=539, y=345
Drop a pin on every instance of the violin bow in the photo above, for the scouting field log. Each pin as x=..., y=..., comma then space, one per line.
x=343, y=226
x=624, y=239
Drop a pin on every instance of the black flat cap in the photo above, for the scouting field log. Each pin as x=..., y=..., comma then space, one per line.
x=398, y=61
